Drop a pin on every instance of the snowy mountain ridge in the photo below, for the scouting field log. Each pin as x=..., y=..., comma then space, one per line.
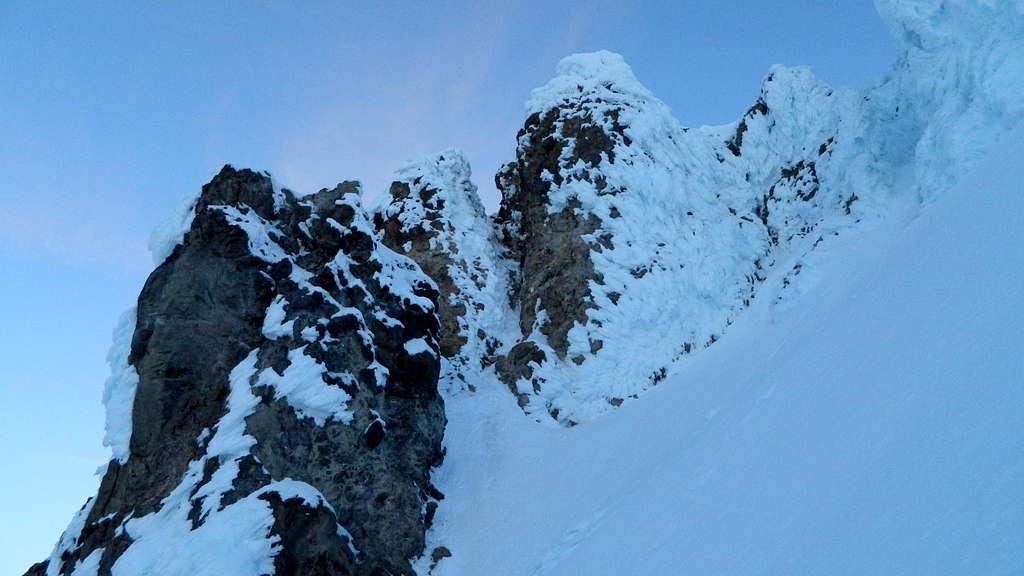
x=646, y=211
x=279, y=394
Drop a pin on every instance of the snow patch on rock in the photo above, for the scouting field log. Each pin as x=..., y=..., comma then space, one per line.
x=261, y=233
x=69, y=538
x=274, y=325
x=302, y=386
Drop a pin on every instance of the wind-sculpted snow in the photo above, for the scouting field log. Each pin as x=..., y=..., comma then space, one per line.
x=170, y=232
x=119, y=389
x=958, y=83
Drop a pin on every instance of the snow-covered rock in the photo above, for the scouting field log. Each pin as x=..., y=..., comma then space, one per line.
x=273, y=406
x=432, y=214
x=639, y=241
x=957, y=85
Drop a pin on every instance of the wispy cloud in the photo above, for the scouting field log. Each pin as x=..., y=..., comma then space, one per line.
x=70, y=238
x=427, y=100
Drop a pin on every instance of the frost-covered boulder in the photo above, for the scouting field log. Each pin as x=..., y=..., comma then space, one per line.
x=274, y=404
x=432, y=214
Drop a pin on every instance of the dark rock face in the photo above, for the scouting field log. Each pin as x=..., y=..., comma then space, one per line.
x=199, y=314
x=551, y=248
x=38, y=569
x=292, y=284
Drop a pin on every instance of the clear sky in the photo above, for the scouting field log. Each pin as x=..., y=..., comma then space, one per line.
x=110, y=114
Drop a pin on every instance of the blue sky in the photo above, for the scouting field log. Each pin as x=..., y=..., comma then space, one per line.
x=110, y=114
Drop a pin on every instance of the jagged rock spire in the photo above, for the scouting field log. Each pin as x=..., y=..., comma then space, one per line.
x=286, y=400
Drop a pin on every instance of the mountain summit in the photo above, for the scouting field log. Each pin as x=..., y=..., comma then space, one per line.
x=308, y=385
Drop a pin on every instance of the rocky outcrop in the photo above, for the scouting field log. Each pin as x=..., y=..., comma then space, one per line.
x=286, y=399
x=619, y=219
x=432, y=214
x=553, y=247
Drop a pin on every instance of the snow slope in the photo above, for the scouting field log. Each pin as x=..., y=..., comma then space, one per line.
x=875, y=428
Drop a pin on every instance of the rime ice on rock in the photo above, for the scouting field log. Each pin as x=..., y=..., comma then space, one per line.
x=621, y=222
x=638, y=239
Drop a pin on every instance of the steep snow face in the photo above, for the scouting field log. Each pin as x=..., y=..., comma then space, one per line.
x=432, y=214
x=274, y=393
